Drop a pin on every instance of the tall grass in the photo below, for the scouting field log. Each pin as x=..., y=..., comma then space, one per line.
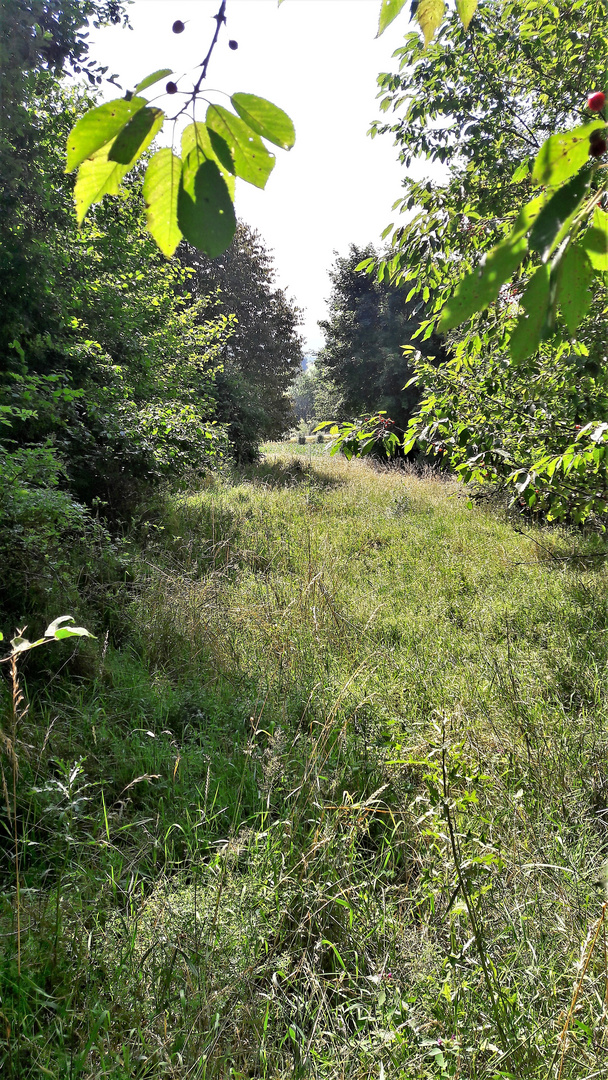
x=336, y=807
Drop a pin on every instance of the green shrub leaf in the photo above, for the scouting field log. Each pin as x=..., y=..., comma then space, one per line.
x=130, y=143
x=389, y=10
x=161, y=187
x=595, y=241
x=557, y=213
x=429, y=14
x=466, y=10
x=156, y=76
x=99, y=175
x=573, y=293
x=98, y=127
x=527, y=335
x=252, y=161
x=562, y=155
x=265, y=119
x=205, y=213
x=198, y=137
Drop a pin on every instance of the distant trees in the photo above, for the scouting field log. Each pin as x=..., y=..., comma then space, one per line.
x=369, y=324
x=263, y=352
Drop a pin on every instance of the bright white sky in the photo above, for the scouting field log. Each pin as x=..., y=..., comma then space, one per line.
x=318, y=60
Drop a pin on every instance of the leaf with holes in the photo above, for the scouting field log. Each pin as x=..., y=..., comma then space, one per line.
x=562, y=155
x=528, y=332
x=573, y=293
x=265, y=119
x=197, y=137
x=161, y=187
x=130, y=143
x=252, y=161
x=98, y=127
x=429, y=14
x=99, y=175
x=205, y=213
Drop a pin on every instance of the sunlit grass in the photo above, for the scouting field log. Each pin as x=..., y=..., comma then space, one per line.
x=332, y=666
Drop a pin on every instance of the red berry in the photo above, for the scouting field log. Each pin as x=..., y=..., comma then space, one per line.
x=232, y=44
x=171, y=88
x=596, y=101
x=178, y=27
x=597, y=144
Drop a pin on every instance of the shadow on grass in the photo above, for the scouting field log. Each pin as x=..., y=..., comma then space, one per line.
x=282, y=474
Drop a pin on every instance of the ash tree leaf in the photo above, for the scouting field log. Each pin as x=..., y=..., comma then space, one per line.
x=205, y=213
x=265, y=119
x=99, y=175
x=149, y=80
x=161, y=187
x=595, y=241
x=466, y=10
x=573, y=293
x=98, y=127
x=252, y=161
x=528, y=332
x=130, y=142
x=557, y=213
x=196, y=137
x=429, y=14
x=562, y=155
x=389, y=9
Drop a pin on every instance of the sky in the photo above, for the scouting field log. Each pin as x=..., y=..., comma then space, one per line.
x=318, y=60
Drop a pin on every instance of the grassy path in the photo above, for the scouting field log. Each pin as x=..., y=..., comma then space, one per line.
x=368, y=730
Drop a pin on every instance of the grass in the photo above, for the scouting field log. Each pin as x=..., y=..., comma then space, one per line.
x=335, y=806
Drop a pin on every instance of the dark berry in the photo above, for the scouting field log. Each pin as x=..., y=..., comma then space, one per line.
x=232, y=44
x=596, y=101
x=597, y=144
x=178, y=27
x=171, y=88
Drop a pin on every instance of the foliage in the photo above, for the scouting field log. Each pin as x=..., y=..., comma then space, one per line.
x=189, y=196
x=466, y=99
x=314, y=396
x=370, y=325
x=264, y=349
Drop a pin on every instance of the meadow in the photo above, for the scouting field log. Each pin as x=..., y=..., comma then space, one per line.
x=329, y=799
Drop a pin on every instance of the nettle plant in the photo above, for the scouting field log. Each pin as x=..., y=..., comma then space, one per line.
x=191, y=194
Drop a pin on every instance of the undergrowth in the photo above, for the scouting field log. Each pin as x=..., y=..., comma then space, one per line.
x=333, y=805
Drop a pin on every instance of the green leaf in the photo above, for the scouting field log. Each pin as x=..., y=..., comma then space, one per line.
x=98, y=127
x=389, y=9
x=99, y=175
x=252, y=161
x=161, y=187
x=156, y=76
x=429, y=14
x=556, y=213
x=57, y=631
x=562, y=155
x=197, y=137
x=481, y=287
x=521, y=172
x=205, y=213
x=573, y=294
x=266, y=119
x=136, y=135
x=466, y=10
x=595, y=241
x=528, y=332
x=221, y=150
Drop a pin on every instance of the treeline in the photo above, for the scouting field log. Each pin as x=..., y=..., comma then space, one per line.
x=118, y=368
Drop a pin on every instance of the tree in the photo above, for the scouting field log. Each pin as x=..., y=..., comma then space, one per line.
x=466, y=99
x=370, y=324
x=264, y=350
